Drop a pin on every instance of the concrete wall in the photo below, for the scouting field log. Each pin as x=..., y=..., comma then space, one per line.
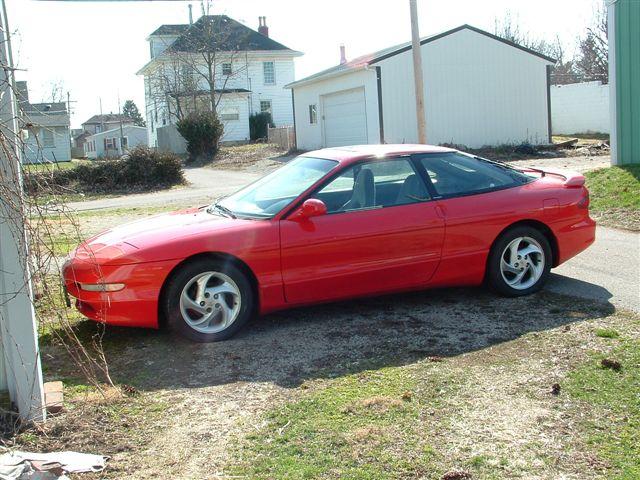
x=580, y=108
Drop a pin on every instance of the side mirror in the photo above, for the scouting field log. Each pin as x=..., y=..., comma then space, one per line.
x=309, y=209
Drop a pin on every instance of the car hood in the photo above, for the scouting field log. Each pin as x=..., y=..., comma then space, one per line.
x=127, y=243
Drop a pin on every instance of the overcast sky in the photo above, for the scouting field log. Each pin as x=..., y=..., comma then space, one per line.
x=95, y=49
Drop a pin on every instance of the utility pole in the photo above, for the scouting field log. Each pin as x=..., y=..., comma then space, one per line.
x=120, y=147
x=417, y=73
x=21, y=371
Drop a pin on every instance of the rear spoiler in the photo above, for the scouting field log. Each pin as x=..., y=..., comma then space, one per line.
x=571, y=179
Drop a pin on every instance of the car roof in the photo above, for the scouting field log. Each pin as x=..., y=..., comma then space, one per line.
x=359, y=152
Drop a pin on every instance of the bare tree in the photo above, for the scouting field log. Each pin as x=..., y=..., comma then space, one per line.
x=211, y=56
x=592, y=61
x=564, y=69
x=200, y=68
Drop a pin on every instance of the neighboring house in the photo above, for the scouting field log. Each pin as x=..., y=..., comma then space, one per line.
x=104, y=122
x=45, y=129
x=115, y=142
x=479, y=90
x=249, y=73
x=624, y=80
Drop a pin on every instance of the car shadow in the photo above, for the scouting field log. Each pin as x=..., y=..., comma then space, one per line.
x=332, y=340
x=578, y=288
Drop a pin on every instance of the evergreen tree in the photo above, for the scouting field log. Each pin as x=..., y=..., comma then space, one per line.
x=130, y=109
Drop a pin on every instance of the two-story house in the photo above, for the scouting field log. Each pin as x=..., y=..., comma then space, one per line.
x=216, y=63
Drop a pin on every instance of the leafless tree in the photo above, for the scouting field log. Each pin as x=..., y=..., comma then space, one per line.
x=564, y=69
x=197, y=70
x=592, y=61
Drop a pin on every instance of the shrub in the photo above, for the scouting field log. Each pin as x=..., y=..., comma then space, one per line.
x=202, y=131
x=142, y=169
x=258, y=124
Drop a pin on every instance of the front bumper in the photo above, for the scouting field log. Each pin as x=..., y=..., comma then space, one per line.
x=134, y=306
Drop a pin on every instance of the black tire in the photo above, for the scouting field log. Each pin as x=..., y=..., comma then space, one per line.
x=170, y=301
x=495, y=278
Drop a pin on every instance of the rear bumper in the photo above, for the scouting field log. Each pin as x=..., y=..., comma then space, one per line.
x=575, y=238
x=134, y=306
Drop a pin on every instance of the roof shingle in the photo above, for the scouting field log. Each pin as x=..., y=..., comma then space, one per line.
x=224, y=34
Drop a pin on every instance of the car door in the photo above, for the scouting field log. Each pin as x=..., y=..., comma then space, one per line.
x=478, y=201
x=382, y=232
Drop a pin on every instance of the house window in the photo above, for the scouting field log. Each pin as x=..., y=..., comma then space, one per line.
x=110, y=143
x=313, y=114
x=230, y=114
x=188, y=79
x=47, y=138
x=265, y=106
x=268, y=69
x=226, y=69
x=124, y=142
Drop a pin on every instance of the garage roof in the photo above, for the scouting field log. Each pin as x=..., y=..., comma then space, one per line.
x=371, y=58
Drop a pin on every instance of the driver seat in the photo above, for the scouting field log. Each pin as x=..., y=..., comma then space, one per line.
x=364, y=191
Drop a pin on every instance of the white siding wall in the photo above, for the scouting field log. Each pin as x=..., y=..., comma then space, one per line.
x=310, y=137
x=282, y=110
x=580, y=108
x=247, y=74
x=35, y=151
x=478, y=91
x=235, y=130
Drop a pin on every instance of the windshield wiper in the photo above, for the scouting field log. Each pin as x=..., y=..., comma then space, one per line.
x=224, y=210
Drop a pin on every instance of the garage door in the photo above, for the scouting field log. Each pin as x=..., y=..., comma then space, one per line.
x=345, y=118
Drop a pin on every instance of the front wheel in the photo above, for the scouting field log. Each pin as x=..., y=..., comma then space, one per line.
x=208, y=301
x=519, y=262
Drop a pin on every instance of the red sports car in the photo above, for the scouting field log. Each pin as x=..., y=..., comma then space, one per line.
x=334, y=224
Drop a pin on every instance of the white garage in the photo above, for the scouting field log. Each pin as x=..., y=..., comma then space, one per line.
x=480, y=90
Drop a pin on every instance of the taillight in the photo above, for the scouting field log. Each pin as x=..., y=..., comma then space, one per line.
x=584, y=201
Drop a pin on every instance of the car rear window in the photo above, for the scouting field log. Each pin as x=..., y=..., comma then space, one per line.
x=455, y=174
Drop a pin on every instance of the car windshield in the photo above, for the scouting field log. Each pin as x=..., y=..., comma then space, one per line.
x=272, y=193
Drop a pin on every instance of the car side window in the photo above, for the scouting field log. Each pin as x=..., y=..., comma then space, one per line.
x=456, y=174
x=377, y=184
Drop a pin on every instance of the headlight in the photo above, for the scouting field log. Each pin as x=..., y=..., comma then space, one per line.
x=101, y=287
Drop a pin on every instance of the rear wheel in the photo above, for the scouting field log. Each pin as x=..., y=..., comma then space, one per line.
x=519, y=262
x=208, y=301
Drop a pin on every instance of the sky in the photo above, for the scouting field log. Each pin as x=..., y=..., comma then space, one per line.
x=93, y=50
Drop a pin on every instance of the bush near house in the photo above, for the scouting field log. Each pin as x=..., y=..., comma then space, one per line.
x=202, y=131
x=258, y=125
x=142, y=169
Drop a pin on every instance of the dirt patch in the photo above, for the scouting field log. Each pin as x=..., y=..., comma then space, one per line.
x=506, y=352
x=251, y=157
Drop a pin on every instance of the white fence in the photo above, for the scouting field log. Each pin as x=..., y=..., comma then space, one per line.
x=580, y=108
x=283, y=136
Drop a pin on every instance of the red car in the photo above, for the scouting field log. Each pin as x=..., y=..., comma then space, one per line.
x=334, y=224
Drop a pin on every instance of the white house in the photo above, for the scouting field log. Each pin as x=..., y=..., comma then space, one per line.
x=479, y=90
x=247, y=68
x=45, y=129
x=115, y=142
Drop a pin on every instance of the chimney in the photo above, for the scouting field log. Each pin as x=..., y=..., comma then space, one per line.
x=262, y=28
x=190, y=14
x=343, y=55
x=22, y=92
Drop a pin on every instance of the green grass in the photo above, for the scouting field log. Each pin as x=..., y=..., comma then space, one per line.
x=615, y=187
x=48, y=166
x=369, y=425
x=614, y=397
x=607, y=333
